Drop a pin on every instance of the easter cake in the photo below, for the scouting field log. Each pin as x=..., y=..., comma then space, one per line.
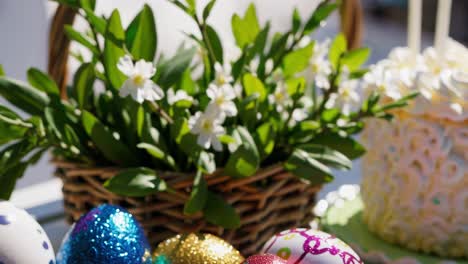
x=415, y=182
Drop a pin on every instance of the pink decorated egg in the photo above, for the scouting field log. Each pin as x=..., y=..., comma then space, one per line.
x=307, y=246
x=265, y=259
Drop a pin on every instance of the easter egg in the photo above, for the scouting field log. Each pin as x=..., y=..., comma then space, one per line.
x=107, y=234
x=308, y=246
x=22, y=239
x=198, y=248
x=265, y=259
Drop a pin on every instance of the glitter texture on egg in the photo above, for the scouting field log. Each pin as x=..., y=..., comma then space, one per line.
x=198, y=248
x=107, y=234
x=265, y=259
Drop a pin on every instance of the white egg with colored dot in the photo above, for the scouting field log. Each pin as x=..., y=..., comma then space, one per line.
x=22, y=239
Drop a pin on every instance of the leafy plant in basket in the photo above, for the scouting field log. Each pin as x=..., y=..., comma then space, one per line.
x=284, y=100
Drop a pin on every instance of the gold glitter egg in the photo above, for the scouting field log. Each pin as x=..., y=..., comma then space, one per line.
x=198, y=249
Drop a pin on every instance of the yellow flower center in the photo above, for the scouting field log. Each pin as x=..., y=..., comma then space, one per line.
x=279, y=96
x=207, y=125
x=221, y=79
x=138, y=80
x=219, y=100
x=315, y=67
x=381, y=88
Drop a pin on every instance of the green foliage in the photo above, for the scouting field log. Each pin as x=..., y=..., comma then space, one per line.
x=23, y=96
x=220, y=213
x=141, y=37
x=277, y=113
x=245, y=29
x=113, y=50
x=245, y=160
x=136, y=183
x=83, y=83
x=337, y=49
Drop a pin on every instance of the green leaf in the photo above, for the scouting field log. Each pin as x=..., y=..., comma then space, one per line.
x=328, y=156
x=265, y=136
x=8, y=179
x=245, y=160
x=226, y=139
x=11, y=125
x=136, y=182
x=346, y=145
x=297, y=60
x=206, y=162
x=296, y=20
x=89, y=4
x=171, y=70
x=356, y=58
x=220, y=213
x=83, y=83
x=215, y=43
x=187, y=83
x=141, y=35
x=296, y=87
x=207, y=9
x=74, y=35
x=112, y=149
x=2, y=72
x=98, y=23
x=158, y=153
x=304, y=166
x=42, y=81
x=23, y=96
x=187, y=141
x=320, y=14
x=337, y=49
x=252, y=85
x=113, y=50
x=245, y=29
x=198, y=196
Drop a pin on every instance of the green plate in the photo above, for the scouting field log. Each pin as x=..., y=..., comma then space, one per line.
x=346, y=223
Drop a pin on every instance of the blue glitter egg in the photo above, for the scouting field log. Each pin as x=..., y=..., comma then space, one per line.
x=107, y=234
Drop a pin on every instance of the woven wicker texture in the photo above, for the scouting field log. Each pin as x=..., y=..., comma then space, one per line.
x=268, y=202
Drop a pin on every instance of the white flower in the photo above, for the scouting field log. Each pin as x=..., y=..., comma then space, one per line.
x=383, y=82
x=208, y=128
x=180, y=95
x=347, y=97
x=221, y=99
x=300, y=114
x=139, y=84
x=319, y=66
x=280, y=98
x=223, y=74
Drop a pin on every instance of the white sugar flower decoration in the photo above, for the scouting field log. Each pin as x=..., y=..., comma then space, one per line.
x=208, y=128
x=383, y=82
x=223, y=74
x=221, y=99
x=347, y=97
x=180, y=95
x=280, y=98
x=139, y=84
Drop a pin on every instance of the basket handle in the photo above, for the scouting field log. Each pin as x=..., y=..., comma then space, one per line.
x=59, y=45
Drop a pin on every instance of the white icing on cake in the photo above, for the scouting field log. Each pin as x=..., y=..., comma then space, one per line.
x=415, y=179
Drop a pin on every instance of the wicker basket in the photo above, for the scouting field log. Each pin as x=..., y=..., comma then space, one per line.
x=282, y=202
x=268, y=202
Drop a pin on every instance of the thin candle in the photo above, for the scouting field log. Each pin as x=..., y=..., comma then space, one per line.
x=443, y=24
x=414, y=25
